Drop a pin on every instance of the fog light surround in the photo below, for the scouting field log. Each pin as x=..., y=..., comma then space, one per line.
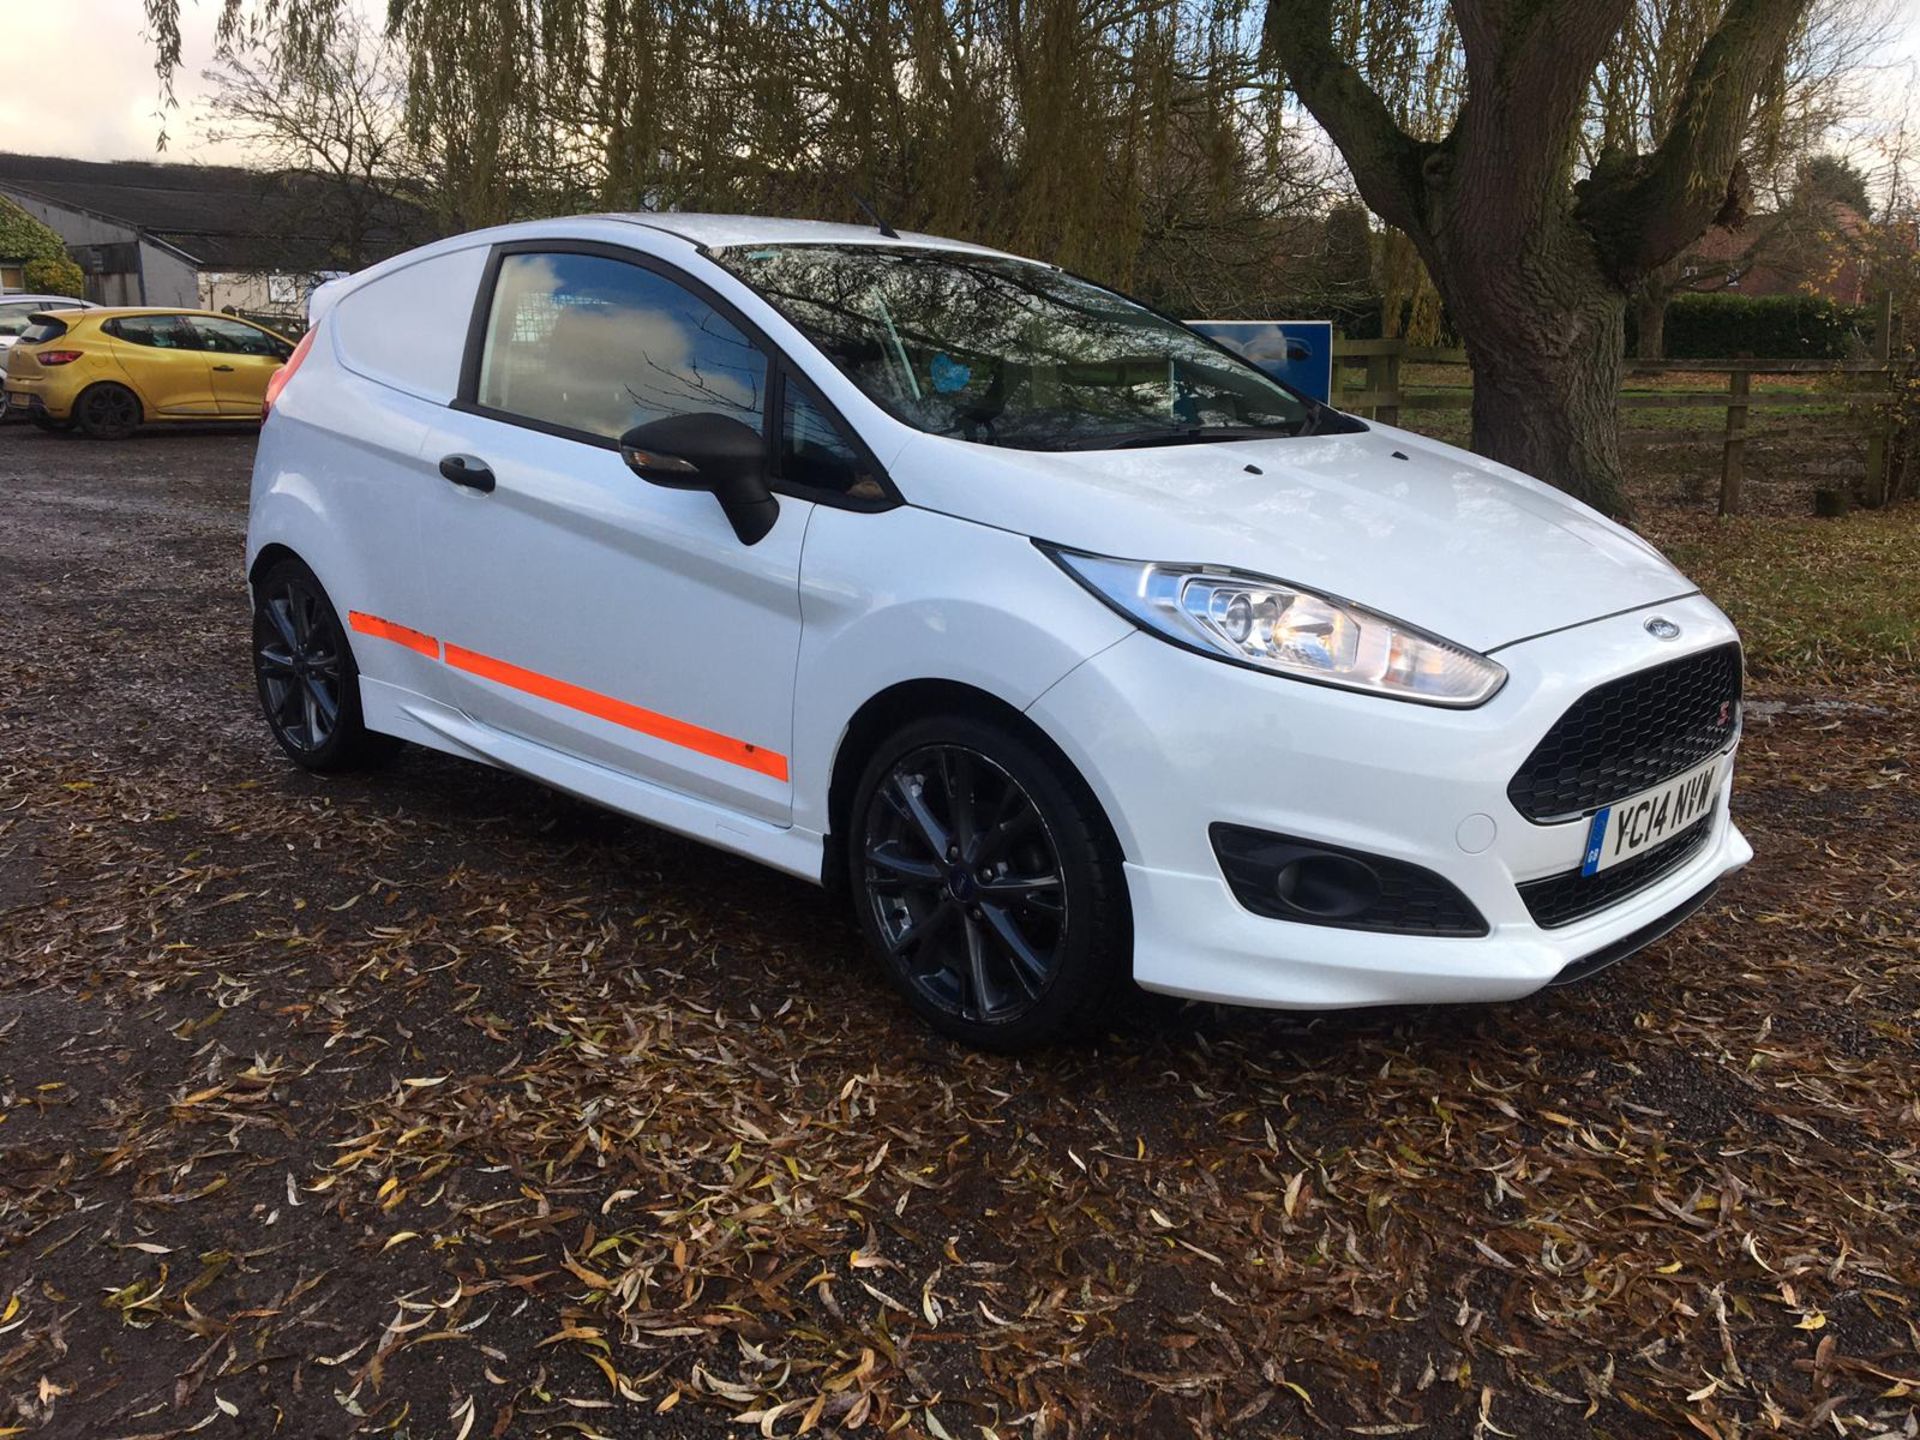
x=1283, y=877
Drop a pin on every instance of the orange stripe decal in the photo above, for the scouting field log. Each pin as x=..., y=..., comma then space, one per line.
x=619, y=712
x=400, y=635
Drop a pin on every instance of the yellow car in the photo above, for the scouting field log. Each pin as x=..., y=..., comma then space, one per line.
x=109, y=371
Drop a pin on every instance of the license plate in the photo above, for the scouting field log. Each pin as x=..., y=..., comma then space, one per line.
x=1647, y=821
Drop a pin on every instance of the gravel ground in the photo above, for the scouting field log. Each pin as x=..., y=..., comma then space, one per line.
x=430, y=1103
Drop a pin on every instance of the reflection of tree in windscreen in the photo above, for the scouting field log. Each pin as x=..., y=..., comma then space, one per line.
x=1023, y=346
x=730, y=380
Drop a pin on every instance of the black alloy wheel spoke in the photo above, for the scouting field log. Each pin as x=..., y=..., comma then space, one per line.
x=286, y=710
x=323, y=699
x=922, y=930
x=279, y=612
x=1014, y=816
x=986, y=999
x=956, y=767
x=1028, y=967
x=277, y=662
x=909, y=796
x=899, y=868
x=1005, y=888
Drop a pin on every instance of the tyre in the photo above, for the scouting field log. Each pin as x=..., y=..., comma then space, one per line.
x=988, y=884
x=107, y=412
x=303, y=667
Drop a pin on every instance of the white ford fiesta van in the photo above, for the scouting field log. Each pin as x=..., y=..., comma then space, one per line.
x=1071, y=645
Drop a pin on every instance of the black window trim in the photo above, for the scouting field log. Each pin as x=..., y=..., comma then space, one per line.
x=780, y=370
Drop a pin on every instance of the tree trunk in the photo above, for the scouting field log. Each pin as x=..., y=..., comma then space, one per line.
x=1536, y=265
x=1544, y=327
x=1650, y=325
x=1545, y=340
x=1553, y=413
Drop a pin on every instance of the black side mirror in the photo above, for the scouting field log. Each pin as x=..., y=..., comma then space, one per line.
x=711, y=452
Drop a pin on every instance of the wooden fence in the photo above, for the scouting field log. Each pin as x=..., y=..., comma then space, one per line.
x=1383, y=398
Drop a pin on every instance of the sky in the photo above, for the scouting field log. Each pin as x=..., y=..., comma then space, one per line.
x=110, y=40
x=123, y=120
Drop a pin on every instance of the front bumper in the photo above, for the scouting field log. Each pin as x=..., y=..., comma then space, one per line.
x=1172, y=742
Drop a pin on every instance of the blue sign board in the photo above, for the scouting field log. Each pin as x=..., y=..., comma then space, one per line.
x=1296, y=352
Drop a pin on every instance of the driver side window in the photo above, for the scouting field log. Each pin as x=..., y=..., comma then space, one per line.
x=590, y=343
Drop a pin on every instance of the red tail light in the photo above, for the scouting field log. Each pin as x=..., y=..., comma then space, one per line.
x=277, y=381
x=57, y=357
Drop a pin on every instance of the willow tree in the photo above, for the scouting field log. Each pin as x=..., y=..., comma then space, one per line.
x=1536, y=256
x=1142, y=141
x=1643, y=80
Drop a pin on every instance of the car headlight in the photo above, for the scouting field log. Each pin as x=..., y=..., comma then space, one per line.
x=1272, y=625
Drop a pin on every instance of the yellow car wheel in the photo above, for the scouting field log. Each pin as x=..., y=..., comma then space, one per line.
x=107, y=412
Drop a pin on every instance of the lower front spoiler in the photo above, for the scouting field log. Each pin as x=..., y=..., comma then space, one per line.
x=1193, y=939
x=1628, y=945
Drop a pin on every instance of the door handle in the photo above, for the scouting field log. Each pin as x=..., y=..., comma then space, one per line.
x=223, y=367
x=468, y=471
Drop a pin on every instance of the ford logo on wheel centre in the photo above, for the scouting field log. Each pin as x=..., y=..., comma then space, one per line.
x=1662, y=628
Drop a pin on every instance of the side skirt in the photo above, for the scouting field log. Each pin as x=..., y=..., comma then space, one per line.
x=392, y=710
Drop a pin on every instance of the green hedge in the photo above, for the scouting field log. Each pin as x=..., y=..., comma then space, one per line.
x=24, y=238
x=1766, y=327
x=50, y=270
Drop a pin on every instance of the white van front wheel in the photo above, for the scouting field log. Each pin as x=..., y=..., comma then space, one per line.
x=987, y=885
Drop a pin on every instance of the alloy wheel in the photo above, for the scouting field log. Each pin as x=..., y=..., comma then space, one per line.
x=113, y=410
x=297, y=647
x=964, y=881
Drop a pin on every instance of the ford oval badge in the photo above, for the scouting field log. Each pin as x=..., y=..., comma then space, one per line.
x=1662, y=628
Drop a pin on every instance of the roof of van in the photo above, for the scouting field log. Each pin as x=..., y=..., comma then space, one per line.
x=720, y=231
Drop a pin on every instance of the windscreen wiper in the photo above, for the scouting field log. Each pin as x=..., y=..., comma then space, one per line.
x=1186, y=435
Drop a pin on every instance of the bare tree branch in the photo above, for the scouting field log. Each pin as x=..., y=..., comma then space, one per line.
x=1644, y=212
x=1384, y=159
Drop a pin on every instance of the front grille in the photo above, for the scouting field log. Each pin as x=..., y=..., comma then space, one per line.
x=1630, y=734
x=1563, y=899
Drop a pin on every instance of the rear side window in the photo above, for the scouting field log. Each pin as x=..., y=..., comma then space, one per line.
x=593, y=344
x=159, y=332
x=407, y=328
x=41, y=329
x=233, y=337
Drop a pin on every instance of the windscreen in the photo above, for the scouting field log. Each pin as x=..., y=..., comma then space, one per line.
x=1005, y=352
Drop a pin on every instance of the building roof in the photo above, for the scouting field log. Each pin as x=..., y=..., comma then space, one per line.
x=224, y=217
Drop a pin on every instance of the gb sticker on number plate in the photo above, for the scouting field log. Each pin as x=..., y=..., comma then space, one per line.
x=1633, y=827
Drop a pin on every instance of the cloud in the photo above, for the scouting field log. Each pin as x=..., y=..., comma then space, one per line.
x=108, y=42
